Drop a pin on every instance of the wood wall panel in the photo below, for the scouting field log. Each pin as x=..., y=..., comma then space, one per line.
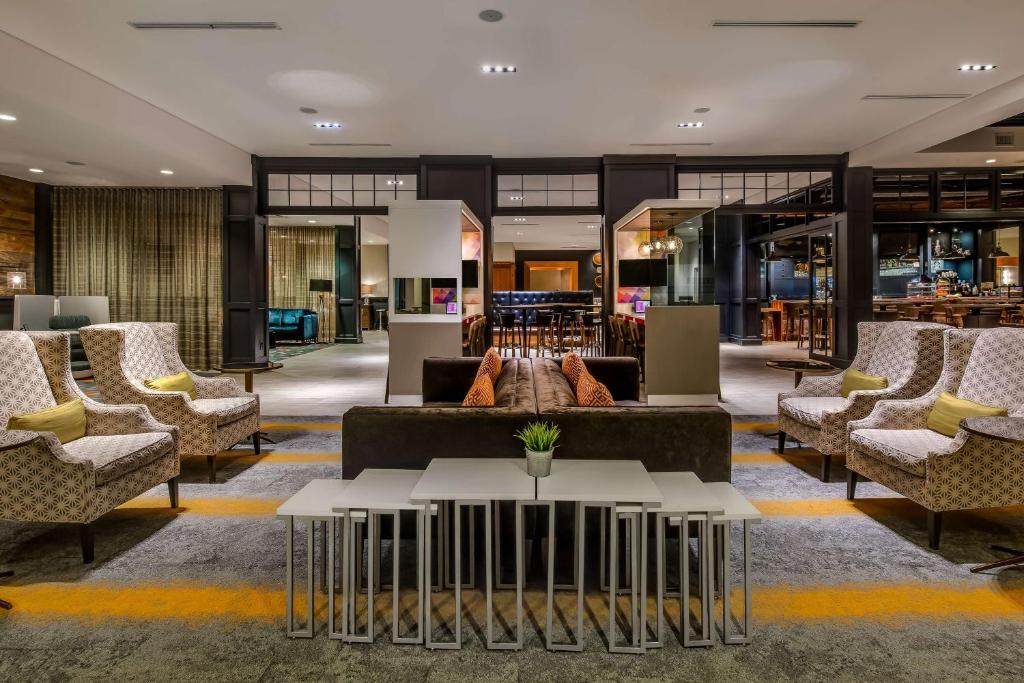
x=17, y=232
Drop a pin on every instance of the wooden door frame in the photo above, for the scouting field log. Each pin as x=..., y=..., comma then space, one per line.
x=572, y=266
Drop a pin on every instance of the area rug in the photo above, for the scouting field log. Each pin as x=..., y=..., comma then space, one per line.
x=285, y=351
x=844, y=591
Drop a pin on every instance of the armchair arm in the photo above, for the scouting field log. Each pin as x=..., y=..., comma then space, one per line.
x=816, y=385
x=308, y=325
x=991, y=466
x=111, y=420
x=216, y=387
x=35, y=457
x=888, y=414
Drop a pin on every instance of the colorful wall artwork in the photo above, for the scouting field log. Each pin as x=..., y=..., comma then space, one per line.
x=442, y=295
x=628, y=295
x=472, y=247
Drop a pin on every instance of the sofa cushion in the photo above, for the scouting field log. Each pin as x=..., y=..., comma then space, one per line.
x=553, y=389
x=905, y=449
x=592, y=394
x=809, y=409
x=274, y=316
x=513, y=387
x=290, y=316
x=226, y=409
x=481, y=394
x=115, y=456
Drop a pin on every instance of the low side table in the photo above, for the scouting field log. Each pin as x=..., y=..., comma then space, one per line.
x=736, y=508
x=799, y=368
x=1010, y=430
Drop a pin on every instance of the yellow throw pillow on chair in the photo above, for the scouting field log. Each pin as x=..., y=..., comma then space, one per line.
x=67, y=421
x=854, y=380
x=179, y=382
x=948, y=410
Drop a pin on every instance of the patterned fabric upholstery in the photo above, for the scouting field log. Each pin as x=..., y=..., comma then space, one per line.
x=964, y=472
x=124, y=355
x=908, y=354
x=44, y=481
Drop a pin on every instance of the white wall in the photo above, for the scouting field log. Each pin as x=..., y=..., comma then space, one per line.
x=504, y=251
x=375, y=268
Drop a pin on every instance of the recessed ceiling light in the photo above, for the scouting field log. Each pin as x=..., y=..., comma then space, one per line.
x=327, y=124
x=307, y=110
x=702, y=110
x=690, y=124
x=8, y=117
x=990, y=161
x=516, y=197
x=491, y=15
x=35, y=170
x=166, y=171
x=75, y=163
x=311, y=221
x=519, y=234
x=498, y=69
x=518, y=220
x=976, y=67
x=396, y=182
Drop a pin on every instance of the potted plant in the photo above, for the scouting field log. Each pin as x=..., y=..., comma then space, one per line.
x=539, y=439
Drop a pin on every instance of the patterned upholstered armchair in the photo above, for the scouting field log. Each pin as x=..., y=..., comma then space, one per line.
x=894, y=447
x=908, y=354
x=124, y=355
x=124, y=452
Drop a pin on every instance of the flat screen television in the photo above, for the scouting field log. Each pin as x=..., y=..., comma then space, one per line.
x=470, y=273
x=642, y=272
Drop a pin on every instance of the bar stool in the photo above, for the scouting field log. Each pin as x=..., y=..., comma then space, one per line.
x=544, y=324
x=735, y=508
x=768, y=324
x=508, y=332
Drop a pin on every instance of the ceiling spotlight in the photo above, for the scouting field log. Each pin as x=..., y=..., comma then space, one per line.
x=369, y=241
x=519, y=234
x=498, y=69
x=491, y=15
x=990, y=161
x=516, y=197
x=327, y=124
x=166, y=171
x=518, y=220
x=307, y=110
x=8, y=117
x=690, y=124
x=311, y=221
x=592, y=226
x=396, y=182
x=35, y=170
x=976, y=67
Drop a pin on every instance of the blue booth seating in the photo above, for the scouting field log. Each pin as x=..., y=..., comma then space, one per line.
x=293, y=324
x=508, y=298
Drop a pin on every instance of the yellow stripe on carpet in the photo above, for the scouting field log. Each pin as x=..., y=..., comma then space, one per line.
x=278, y=457
x=226, y=506
x=872, y=507
x=774, y=458
x=301, y=426
x=195, y=602
x=753, y=426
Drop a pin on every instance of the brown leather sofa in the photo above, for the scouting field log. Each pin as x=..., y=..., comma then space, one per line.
x=665, y=439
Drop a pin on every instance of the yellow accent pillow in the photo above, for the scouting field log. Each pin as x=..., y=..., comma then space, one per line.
x=948, y=410
x=854, y=380
x=67, y=421
x=179, y=382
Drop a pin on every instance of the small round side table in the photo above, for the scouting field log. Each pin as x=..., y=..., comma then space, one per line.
x=799, y=368
x=1010, y=430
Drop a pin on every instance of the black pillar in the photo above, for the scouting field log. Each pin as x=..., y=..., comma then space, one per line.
x=347, y=329
x=628, y=180
x=244, y=279
x=854, y=264
x=467, y=178
x=44, y=240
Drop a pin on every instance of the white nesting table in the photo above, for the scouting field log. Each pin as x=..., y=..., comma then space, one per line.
x=470, y=482
x=686, y=499
x=735, y=508
x=376, y=492
x=603, y=484
x=311, y=503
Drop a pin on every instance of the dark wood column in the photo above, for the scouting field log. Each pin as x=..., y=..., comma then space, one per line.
x=44, y=239
x=244, y=279
x=854, y=264
x=467, y=178
x=346, y=284
x=628, y=180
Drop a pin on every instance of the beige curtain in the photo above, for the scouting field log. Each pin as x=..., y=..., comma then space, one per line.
x=299, y=254
x=155, y=252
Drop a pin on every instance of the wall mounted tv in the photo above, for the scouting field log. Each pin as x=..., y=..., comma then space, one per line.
x=642, y=272
x=470, y=273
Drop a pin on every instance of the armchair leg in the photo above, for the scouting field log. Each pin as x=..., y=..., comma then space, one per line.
x=934, y=529
x=256, y=442
x=85, y=534
x=826, y=467
x=172, y=490
x=851, y=484
x=782, y=442
x=212, y=467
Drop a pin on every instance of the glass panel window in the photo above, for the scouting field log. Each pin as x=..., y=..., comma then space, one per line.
x=585, y=198
x=298, y=198
x=277, y=197
x=405, y=195
x=341, y=182
x=406, y=183
x=535, y=182
x=559, y=198
x=277, y=181
x=689, y=181
x=320, y=198
x=342, y=197
x=585, y=181
x=901, y=192
x=384, y=182
x=363, y=182
x=1011, y=190
x=535, y=198
x=689, y=194
x=362, y=197
x=320, y=182
x=298, y=181
x=559, y=182
x=510, y=182
x=964, y=191
x=754, y=187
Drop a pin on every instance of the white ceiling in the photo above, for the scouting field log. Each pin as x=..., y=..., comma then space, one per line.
x=549, y=232
x=595, y=77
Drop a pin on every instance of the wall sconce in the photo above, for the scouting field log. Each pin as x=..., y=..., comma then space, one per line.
x=16, y=280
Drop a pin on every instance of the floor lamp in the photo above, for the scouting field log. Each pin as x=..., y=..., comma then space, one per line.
x=322, y=288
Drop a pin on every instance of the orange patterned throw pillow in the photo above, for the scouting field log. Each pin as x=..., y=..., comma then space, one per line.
x=573, y=368
x=491, y=365
x=481, y=394
x=592, y=394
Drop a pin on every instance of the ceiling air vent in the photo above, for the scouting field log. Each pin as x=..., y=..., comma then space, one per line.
x=918, y=96
x=1004, y=140
x=350, y=144
x=670, y=144
x=786, y=23
x=205, y=25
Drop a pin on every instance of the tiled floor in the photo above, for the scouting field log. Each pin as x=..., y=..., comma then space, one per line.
x=329, y=381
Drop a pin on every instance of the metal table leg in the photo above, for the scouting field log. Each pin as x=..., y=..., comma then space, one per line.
x=637, y=641
x=493, y=644
x=332, y=531
x=428, y=631
x=727, y=637
x=293, y=632
x=578, y=554
x=352, y=636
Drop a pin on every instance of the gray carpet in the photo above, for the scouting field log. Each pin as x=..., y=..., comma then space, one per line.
x=843, y=591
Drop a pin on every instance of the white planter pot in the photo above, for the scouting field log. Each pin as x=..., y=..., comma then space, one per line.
x=538, y=463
